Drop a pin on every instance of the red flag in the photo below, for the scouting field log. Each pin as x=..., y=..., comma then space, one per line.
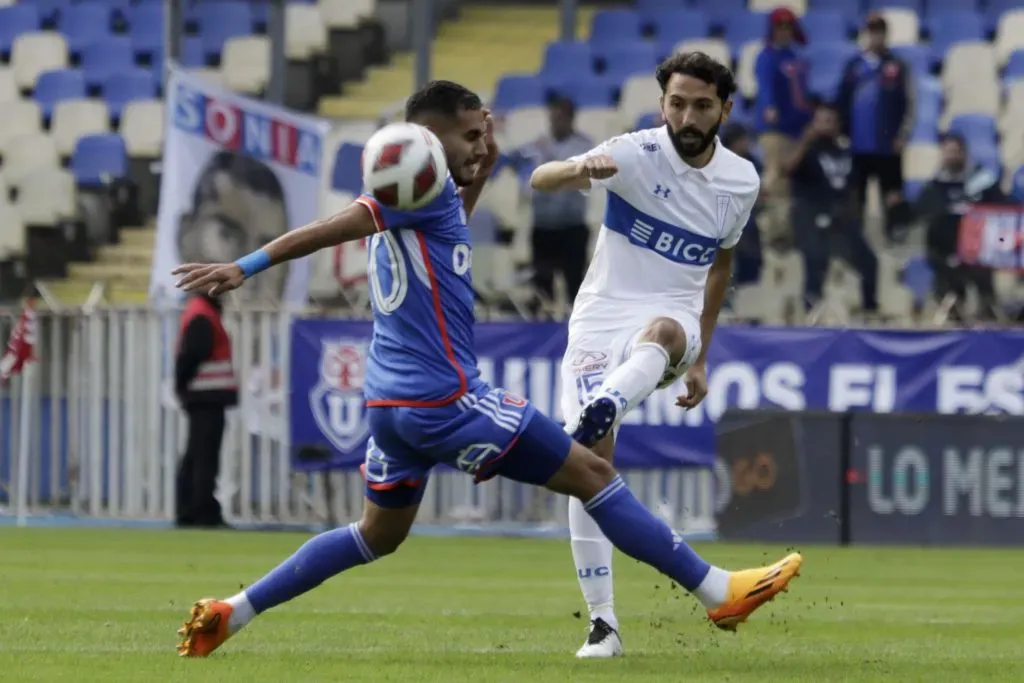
x=21, y=346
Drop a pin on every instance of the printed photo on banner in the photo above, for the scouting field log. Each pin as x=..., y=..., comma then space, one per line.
x=237, y=173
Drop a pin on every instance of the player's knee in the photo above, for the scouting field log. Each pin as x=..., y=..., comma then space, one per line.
x=668, y=334
x=383, y=539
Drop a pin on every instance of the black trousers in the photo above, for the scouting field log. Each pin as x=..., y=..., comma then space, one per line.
x=843, y=238
x=888, y=169
x=560, y=250
x=955, y=279
x=198, y=469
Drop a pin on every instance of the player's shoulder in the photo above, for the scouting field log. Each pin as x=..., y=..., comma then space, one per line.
x=736, y=174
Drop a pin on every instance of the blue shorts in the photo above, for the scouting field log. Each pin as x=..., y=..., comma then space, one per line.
x=486, y=433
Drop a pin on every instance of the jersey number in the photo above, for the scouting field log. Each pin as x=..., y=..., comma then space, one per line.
x=387, y=302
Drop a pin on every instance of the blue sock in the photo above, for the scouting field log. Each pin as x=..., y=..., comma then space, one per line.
x=319, y=558
x=635, y=531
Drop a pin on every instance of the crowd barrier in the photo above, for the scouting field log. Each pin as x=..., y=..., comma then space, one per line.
x=106, y=432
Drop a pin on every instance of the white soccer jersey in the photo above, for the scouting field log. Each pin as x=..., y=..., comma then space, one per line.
x=664, y=223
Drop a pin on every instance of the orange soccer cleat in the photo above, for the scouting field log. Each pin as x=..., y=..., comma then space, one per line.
x=206, y=628
x=751, y=588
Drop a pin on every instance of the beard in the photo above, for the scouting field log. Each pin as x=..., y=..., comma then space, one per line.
x=688, y=148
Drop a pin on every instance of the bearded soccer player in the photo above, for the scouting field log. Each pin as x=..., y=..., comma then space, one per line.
x=677, y=204
x=427, y=404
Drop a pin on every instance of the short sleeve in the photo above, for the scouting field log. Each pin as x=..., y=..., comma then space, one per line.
x=623, y=150
x=385, y=218
x=747, y=202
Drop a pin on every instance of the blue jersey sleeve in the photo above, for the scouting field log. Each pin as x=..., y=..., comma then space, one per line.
x=386, y=218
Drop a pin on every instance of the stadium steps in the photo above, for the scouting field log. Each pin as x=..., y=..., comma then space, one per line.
x=125, y=268
x=475, y=50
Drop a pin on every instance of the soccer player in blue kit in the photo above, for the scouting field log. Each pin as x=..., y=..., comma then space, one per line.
x=427, y=404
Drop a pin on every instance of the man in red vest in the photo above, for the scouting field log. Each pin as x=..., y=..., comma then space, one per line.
x=206, y=386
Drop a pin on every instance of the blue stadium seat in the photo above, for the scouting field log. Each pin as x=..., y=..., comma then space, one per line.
x=721, y=11
x=98, y=158
x=954, y=5
x=676, y=25
x=49, y=10
x=123, y=87
x=928, y=100
x=826, y=63
x=588, y=92
x=744, y=27
x=1014, y=70
x=58, y=85
x=519, y=90
x=660, y=5
x=916, y=6
x=347, y=175
x=997, y=8
x=146, y=29
x=947, y=28
x=912, y=189
x=986, y=156
x=192, y=54
x=83, y=25
x=849, y=8
x=564, y=57
x=651, y=120
x=977, y=129
x=614, y=26
x=925, y=130
x=15, y=20
x=826, y=26
x=619, y=61
x=111, y=56
x=144, y=15
x=1017, y=185
x=918, y=278
x=219, y=21
x=919, y=58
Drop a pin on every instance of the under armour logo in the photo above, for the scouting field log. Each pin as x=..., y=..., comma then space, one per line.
x=661, y=192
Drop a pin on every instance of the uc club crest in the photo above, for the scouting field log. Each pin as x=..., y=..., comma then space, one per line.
x=337, y=400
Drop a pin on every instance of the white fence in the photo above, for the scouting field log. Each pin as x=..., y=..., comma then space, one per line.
x=106, y=435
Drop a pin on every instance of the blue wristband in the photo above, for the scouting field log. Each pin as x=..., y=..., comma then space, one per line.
x=253, y=263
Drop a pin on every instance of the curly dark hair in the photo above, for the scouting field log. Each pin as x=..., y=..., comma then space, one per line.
x=698, y=65
x=441, y=97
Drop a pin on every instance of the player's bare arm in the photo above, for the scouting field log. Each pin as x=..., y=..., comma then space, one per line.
x=351, y=223
x=719, y=276
x=572, y=175
x=471, y=193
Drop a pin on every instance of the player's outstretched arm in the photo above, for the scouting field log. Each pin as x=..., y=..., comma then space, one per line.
x=351, y=223
x=572, y=175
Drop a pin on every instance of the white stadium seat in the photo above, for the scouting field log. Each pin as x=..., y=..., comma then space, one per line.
x=1009, y=34
x=713, y=47
x=344, y=13
x=903, y=26
x=46, y=196
x=245, y=63
x=25, y=154
x=921, y=161
x=21, y=117
x=142, y=127
x=305, y=34
x=34, y=53
x=12, y=232
x=523, y=126
x=208, y=74
x=746, y=69
x=597, y=123
x=639, y=95
x=73, y=119
x=8, y=88
x=966, y=62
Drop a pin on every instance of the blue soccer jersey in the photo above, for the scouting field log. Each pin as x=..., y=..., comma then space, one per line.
x=422, y=352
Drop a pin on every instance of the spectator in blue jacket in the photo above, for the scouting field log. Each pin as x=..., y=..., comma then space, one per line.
x=747, y=260
x=782, y=107
x=876, y=105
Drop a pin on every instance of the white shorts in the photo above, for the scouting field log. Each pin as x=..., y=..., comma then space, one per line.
x=591, y=356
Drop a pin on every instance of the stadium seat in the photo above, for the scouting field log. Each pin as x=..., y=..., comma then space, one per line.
x=345, y=14
x=1009, y=34
x=519, y=90
x=619, y=61
x=746, y=68
x=986, y=155
x=979, y=96
x=975, y=128
x=660, y=5
x=20, y=117
x=798, y=7
x=639, y=95
x=565, y=57
x=12, y=232
x=26, y=153
x=826, y=62
x=596, y=123
x=54, y=86
x=97, y=159
x=123, y=87
x=305, y=34
x=142, y=127
x=84, y=25
x=614, y=26
x=522, y=126
x=589, y=92
x=955, y=5
x=102, y=60
x=73, y=119
x=921, y=161
x=221, y=20
x=743, y=27
x=949, y=27
x=1014, y=69
x=8, y=88
x=721, y=11
x=146, y=29
x=648, y=120
x=245, y=63
x=826, y=26
x=347, y=176
x=46, y=197
x=965, y=62
x=192, y=55
x=713, y=47
x=994, y=11
x=1017, y=185
x=1011, y=119
x=912, y=189
x=919, y=58
x=904, y=26
x=14, y=21
x=34, y=53
x=915, y=6
x=674, y=25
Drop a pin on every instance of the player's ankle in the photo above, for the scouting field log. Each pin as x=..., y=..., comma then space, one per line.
x=714, y=589
x=606, y=613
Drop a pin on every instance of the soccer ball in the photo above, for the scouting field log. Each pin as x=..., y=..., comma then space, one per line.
x=404, y=166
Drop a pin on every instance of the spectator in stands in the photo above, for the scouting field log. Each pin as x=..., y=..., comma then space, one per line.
x=941, y=204
x=824, y=214
x=238, y=205
x=747, y=259
x=560, y=233
x=876, y=105
x=782, y=108
x=206, y=386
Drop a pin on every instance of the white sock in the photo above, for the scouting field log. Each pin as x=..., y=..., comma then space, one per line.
x=592, y=553
x=242, y=612
x=714, y=589
x=636, y=378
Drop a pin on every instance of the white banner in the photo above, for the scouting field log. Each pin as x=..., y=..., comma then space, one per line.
x=237, y=173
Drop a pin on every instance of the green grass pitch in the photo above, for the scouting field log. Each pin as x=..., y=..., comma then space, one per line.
x=82, y=605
